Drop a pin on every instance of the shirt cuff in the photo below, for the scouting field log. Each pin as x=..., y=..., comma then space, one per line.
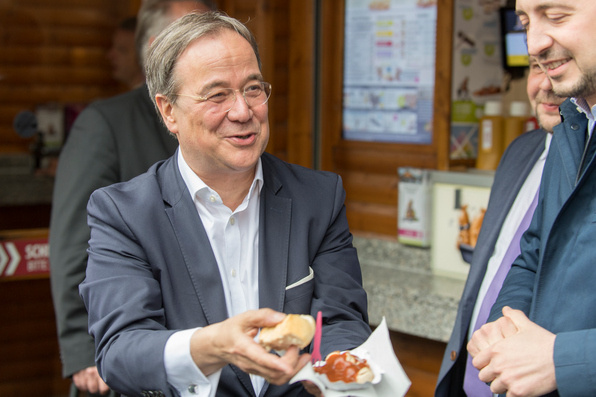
x=182, y=372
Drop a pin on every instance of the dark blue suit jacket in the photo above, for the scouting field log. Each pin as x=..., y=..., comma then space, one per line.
x=514, y=167
x=553, y=278
x=151, y=270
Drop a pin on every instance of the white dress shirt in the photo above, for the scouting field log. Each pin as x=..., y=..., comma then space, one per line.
x=520, y=206
x=234, y=238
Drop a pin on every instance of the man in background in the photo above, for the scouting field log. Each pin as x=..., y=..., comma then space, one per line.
x=541, y=334
x=516, y=183
x=123, y=57
x=111, y=141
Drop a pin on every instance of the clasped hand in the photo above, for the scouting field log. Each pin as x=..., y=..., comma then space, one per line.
x=514, y=355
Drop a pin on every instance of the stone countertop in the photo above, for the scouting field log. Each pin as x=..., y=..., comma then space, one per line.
x=402, y=287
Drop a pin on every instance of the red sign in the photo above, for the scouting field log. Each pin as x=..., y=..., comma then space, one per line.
x=24, y=257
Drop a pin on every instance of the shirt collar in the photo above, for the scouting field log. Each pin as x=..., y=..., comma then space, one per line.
x=196, y=186
x=583, y=107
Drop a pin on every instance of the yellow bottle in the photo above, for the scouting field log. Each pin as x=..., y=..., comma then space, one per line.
x=515, y=124
x=490, y=136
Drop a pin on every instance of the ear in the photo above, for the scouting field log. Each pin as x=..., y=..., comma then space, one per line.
x=166, y=109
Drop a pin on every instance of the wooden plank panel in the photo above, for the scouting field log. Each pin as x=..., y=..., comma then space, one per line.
x=421, y=359
x=67, y=36
x=69, y=4
x=372, y=218
x=39, y=40
x=77, y=16
x=24, y=216
x=442, y=94
x=301, y=115
x=56, y=75
x=52, y=55
x=375, y=188
x=50, y=386
x=42, y=93
x=30, y=364
x=378, y=161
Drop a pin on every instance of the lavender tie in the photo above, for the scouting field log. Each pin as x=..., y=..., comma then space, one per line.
x=473, y=386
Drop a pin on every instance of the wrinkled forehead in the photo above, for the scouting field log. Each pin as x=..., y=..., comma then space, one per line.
x=528, y=7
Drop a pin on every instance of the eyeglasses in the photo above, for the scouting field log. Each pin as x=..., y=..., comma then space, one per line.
x=223, y=99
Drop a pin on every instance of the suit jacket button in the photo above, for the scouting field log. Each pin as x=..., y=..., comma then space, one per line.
x=193, y=389
x=453, y=355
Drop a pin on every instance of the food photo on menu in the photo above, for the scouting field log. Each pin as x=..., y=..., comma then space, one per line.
x=366, y=371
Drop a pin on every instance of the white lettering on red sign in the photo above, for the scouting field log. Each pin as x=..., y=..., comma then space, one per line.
x=36, y=251
x=28, y=257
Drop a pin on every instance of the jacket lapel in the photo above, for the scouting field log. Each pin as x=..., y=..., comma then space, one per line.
x=274, y=243
x=194, y=244
x=274, y=240
x=571, y=142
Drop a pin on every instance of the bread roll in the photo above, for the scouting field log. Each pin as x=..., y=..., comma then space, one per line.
x=293, y=330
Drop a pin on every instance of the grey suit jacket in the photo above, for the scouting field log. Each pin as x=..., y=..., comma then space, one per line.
x=151, y=270
x=514, y=167
x=111, y=141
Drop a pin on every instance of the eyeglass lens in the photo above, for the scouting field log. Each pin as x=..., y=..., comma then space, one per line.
x=254, y=95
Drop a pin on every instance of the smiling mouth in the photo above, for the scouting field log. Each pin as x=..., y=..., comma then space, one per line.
x=552, y=65
x=242, y=137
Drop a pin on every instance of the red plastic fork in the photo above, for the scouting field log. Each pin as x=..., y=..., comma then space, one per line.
x=316, y=350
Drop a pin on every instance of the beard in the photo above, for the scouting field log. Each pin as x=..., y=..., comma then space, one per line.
x=585, y=87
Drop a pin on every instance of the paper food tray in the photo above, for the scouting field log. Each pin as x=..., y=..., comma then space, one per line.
x=394, y=382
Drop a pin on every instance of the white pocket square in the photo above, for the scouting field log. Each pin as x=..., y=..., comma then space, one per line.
x=311, y=275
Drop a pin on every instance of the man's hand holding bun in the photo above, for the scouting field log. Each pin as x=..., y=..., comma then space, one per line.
x=294, y=330
x=232, y=342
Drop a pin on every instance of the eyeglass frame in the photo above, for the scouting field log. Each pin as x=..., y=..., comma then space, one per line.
x=205, y=98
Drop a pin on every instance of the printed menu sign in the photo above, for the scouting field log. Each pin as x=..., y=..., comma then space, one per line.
x=389, y=70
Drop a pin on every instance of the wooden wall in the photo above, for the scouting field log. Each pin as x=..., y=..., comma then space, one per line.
x=30, y=364
x=285, y=32
x=54, y=51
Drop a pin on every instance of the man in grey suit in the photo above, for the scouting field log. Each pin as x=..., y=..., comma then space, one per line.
x=189, y=260
x=111, y=141
x=516, y=171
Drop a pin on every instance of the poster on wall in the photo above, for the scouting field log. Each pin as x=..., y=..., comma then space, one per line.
x=389, y=70
x=477, y=74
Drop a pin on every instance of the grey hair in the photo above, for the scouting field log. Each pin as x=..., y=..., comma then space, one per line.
x=152, y=18
x=173, y=41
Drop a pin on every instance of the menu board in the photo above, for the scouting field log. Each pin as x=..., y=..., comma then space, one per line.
x=389, y=70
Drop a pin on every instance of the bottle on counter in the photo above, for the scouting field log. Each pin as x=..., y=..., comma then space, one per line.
x=490, y=139
x=515, y=124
